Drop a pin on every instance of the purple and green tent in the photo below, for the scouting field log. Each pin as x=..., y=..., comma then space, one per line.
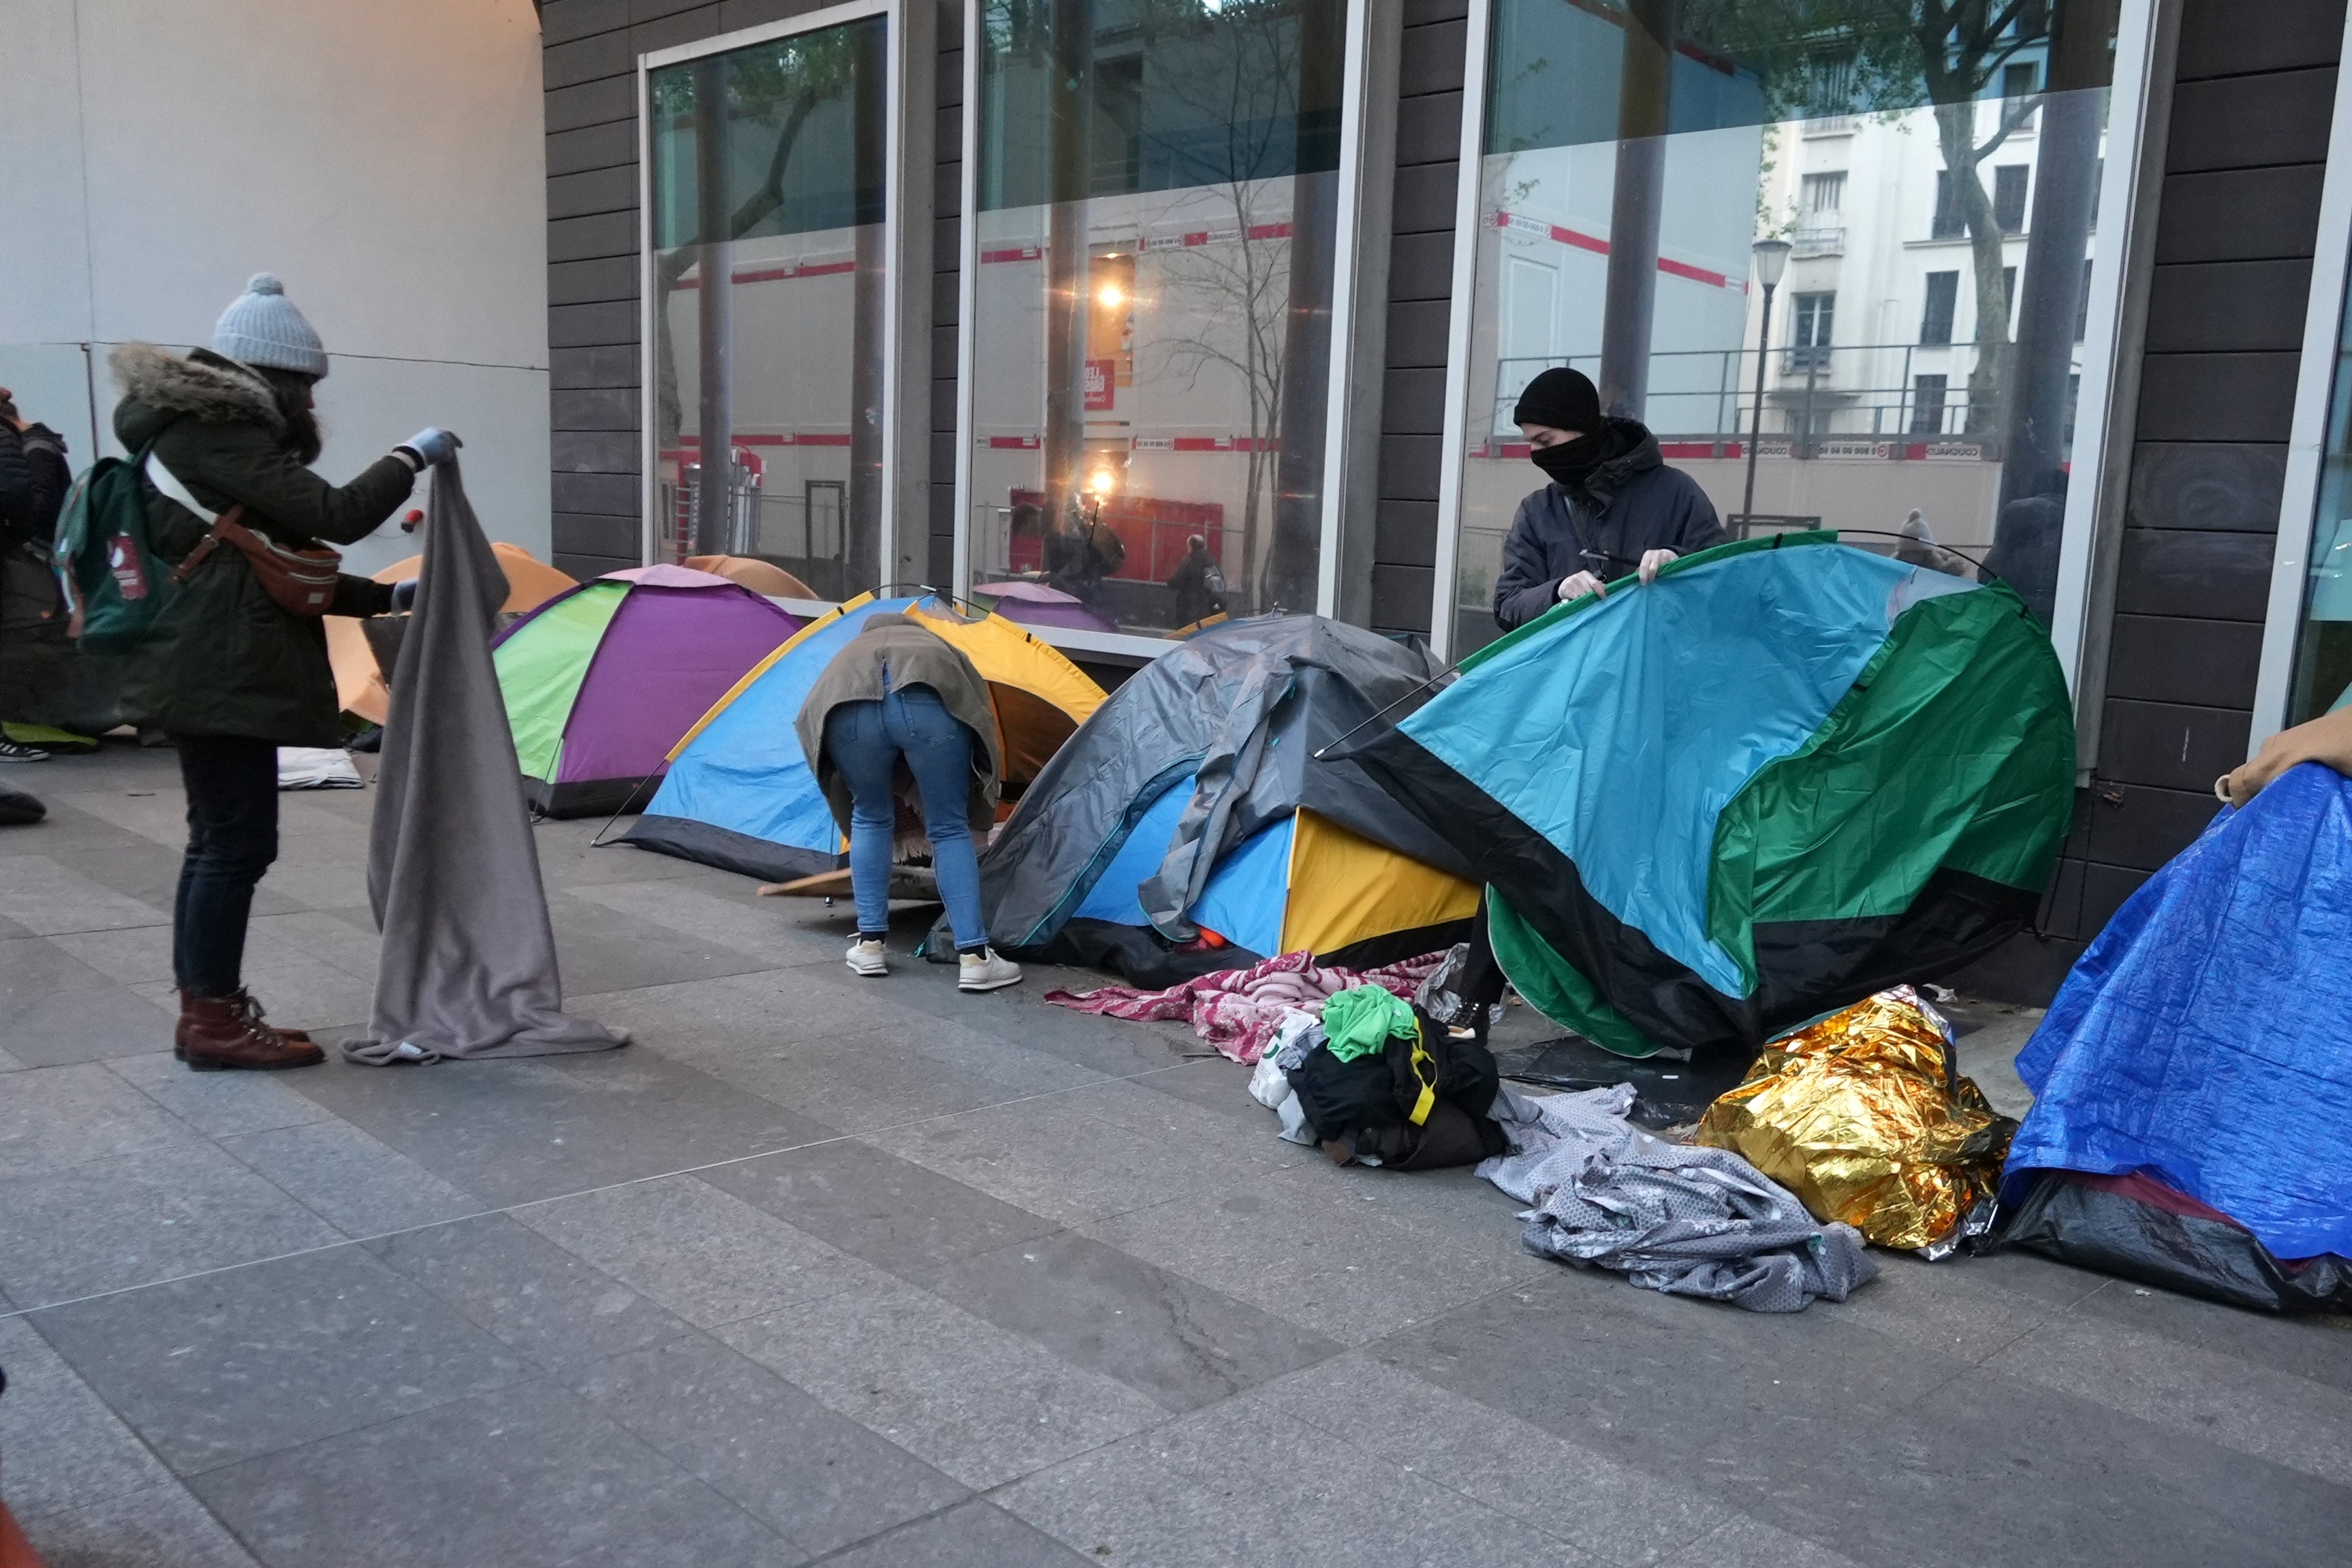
x=601, y=682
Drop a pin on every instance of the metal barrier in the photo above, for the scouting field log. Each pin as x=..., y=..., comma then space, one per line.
x=1819, y=392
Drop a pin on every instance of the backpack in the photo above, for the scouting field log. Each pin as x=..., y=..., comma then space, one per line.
x=114, y=584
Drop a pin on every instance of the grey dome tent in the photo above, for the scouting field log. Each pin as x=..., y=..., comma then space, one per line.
x=1192, y=804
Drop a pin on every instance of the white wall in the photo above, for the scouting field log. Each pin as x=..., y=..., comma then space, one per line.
x=384, y=159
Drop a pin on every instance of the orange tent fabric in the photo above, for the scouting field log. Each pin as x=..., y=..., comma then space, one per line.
x=358, y=683
x=760, y=576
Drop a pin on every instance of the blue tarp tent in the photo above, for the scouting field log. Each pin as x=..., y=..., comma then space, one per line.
x=2205, y=1039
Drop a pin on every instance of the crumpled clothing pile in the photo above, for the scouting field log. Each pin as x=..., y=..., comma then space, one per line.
x=1238, y=1010
x=1861, y=1116
x=1270, y=1080
x=1682, y=1220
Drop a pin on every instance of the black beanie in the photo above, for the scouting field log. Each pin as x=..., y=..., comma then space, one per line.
x=1561, y=398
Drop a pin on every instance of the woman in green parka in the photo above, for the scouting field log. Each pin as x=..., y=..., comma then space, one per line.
x=225, y=673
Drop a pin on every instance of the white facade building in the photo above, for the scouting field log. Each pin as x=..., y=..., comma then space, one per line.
x=387, y=162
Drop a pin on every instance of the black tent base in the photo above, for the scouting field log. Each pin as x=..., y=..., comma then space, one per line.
x=588, y=797
x=1144, y=959
x=726, y=850
x=1137, y=954
x=2137, y=1228
x=1667, y=1093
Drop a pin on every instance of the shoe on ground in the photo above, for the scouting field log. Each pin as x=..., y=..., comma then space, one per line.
x=869, y=957
x=221, y=1034
x=252, y=1009
x=18, y=751
x=985, y=971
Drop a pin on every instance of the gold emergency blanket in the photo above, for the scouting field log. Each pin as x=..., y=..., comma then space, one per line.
x=1860, y=1116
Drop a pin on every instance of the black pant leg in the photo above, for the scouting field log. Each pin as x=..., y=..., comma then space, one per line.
x=1482, y=977
x=232, y=789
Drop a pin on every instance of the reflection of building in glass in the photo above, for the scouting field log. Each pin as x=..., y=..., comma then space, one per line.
x=1906, y=374
x=768, y=234
x=1158, y=191
x=2321, y=681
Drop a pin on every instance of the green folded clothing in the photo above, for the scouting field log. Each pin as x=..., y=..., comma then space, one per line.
x=1359, y=1021
x=48, y=738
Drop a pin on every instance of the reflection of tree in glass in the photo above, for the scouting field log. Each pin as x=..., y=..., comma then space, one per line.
x=1235, y=66
x=772, y=93
x=1903, y=52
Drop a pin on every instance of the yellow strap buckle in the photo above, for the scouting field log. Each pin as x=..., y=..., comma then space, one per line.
x=1424, y=1067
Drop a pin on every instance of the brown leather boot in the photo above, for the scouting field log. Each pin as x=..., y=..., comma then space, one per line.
x=219, y=1033
x=253, y=1010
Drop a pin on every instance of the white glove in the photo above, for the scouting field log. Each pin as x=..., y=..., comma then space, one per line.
x=430, y=444
x=1579, y=584
x=1652, y=560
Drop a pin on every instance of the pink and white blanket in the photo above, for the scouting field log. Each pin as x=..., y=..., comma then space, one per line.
x=1239, y=1010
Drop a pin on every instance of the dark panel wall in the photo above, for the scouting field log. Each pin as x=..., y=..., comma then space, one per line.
x=1421, y=284
x=589, y=63
x=946, y=298
x=2253, y=93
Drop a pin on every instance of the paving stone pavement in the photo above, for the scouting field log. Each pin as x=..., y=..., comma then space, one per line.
x=874, y=1273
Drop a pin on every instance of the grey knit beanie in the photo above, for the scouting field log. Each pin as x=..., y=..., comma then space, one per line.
x=261, y=327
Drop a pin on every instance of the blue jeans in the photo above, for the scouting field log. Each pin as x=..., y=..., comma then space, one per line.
x=865, y=741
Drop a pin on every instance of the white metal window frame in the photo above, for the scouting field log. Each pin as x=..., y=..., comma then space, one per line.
x=1345, y=293
x=2307, y=454
x=894, y=282
x=2128, y=144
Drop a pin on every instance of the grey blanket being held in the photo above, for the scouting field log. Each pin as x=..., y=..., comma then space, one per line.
x=467, y=962
x=1686, y=1221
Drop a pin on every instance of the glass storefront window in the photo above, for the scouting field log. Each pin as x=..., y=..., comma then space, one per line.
x=1153, y=248
x=1934, y=171
x=768, y=232
x=2322, y=680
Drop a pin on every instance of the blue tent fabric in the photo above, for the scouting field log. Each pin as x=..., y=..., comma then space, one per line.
x=1590, y=735
x=744, y=779
x=2205, y=1038
x=1113, y=896
x=1247, y=891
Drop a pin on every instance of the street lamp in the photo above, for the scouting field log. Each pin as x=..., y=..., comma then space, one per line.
x=1771, y=261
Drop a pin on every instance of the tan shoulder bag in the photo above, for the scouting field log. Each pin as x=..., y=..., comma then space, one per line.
x=299, y=581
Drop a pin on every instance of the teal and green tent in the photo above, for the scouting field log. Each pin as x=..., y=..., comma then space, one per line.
x=1785, y=775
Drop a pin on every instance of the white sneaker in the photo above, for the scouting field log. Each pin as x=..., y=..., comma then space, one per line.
x=868, y=957
x=984, y=971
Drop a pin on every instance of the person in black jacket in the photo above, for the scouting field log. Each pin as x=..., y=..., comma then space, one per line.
x=34, y=479
x=1612, y=506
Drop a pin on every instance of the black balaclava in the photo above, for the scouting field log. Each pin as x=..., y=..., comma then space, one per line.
x=1571, y=463
x=1565, y=400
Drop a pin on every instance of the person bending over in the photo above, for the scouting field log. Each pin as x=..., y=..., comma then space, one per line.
x=1612, y=505
x=225, y=672
x=898, y=694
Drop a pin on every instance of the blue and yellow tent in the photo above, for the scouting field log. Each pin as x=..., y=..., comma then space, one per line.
x=1194, y=803
x=739, y=794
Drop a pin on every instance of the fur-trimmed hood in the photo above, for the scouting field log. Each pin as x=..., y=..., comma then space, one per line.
x=159, y=386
